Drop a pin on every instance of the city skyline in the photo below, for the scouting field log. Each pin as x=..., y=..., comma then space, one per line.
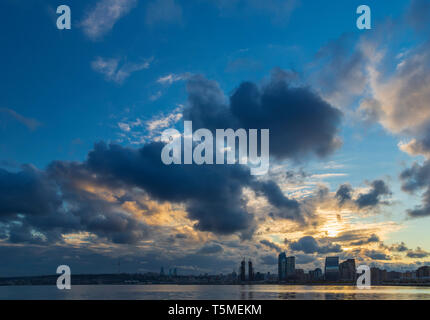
x=82, y=111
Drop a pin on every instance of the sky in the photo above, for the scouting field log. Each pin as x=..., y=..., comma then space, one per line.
x=82, y=112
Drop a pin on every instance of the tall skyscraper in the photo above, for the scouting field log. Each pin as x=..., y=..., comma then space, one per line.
x=242, y=271
x=250, y=271
x=331, y=271
x=291, y=267
x=282, y=266
x=347, y=270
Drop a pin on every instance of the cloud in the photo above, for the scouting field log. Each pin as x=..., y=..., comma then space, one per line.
x=41, y=206
x=163, y=11
x=377, y=255
x=212, y=194
x=112, y=70
x=372, y=239
x=277, y=106
x=414, y=179
x=30, y=123
x=93, y=196
x=344, y=193
x=26, y=191
x=400, y=99
x=373, y=197
x=339, y=70
x=101, y=19
x=417, y=254
x=271, y=245
x=400, y=247
x=164, y=121
x=171, y=78
x=309, y=244
x=210, y=249
x=416, y=147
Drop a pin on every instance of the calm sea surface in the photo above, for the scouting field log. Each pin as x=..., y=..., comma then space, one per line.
x=213, y=292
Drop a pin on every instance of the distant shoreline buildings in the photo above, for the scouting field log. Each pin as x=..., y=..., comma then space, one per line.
x=335, y=273
x=343, y=272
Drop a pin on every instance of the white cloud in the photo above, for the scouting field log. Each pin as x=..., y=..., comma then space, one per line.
x=162, y=122
x=401, y=101
x=414, y=148
x=101, y=19
x=112, y=70
x=171, y=78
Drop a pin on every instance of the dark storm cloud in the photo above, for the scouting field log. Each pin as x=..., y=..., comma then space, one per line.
x=414, y=179
x=378, y=189
x=26, y=191
x=271, y=245
x=344, y=193
x=212, y=194
x=377, y=255
x=300, y=122
x=372, y=198
x=309, y=244
x=40, y=206
x=288, y=208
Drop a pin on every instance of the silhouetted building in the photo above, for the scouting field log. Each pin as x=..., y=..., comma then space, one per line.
x=315, y=274
x=331, y=270
x=242, y=271
x=282, y=266
x=409, y=275
x=162, y=271
x=291, y=267
x=175, y=272
x=423, y=272
x=393, y=275
x=347, y=270
x=234, y=275
x=250, y=271
x=259, y=276
x=377, y=275
x=299, y=274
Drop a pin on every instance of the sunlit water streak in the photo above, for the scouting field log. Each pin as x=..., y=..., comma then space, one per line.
x=214, y=292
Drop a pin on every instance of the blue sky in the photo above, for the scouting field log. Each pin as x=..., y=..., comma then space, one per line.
x=123, y=79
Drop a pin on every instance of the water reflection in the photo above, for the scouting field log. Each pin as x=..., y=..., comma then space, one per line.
x=215, y=292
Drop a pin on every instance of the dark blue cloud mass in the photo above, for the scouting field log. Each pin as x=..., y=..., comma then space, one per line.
x=40, y=206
